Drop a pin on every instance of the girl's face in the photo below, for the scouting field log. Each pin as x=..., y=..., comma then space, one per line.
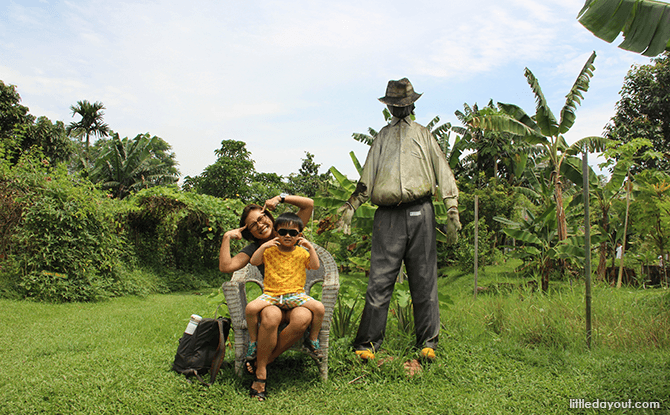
x=288, y=235
x=259, y=224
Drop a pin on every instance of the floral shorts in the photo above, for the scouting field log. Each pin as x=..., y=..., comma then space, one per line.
x=286, y=301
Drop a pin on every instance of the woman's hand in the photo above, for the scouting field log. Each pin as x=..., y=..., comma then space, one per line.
x=271, y=204
x=235, y=234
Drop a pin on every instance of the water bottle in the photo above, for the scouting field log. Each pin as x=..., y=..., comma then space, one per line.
x=192, y=324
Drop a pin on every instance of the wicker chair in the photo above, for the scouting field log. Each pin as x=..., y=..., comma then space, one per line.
x=236, y=298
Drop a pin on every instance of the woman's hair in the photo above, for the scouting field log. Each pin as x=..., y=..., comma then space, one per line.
x=288, y=219
x=246, y=233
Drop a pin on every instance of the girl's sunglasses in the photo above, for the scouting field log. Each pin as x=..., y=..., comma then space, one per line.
x=284, y=232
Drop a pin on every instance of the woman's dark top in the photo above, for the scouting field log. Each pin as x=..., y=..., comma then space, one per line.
x=249, y=250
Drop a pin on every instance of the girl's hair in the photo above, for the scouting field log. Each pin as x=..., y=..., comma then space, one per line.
x=287, y=219
x=246, y=233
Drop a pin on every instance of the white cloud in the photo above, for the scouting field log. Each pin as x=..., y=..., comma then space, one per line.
x=289, y=77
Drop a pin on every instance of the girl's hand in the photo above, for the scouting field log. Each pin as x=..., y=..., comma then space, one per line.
x=304, y=242
x=235, y=233
x=272, y=242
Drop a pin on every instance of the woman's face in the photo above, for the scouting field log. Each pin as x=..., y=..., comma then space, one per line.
x=259, y=224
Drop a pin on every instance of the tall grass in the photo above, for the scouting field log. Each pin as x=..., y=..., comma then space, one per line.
x=506, y=352
x=623, y=319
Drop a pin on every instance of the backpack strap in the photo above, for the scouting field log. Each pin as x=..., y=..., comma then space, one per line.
x=220, y=354
x=195, y=372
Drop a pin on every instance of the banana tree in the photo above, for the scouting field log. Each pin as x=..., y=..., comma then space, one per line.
x=544, y=129
x=541, y=249
x=538, y=244
x=625, y=155
x=645, y=24
x=603, y=196
x=652, y=197
x=498, y=153
x=338, y=194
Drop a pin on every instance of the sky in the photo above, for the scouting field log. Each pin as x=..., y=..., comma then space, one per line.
x=289, y=77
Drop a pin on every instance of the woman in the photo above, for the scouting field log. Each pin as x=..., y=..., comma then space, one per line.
x=257, y=226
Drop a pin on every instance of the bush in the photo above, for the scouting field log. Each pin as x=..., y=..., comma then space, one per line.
x=65, y=246
x=495, y=199
x=180, y=231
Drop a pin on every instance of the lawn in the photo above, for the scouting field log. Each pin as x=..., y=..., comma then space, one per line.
x=509, y=351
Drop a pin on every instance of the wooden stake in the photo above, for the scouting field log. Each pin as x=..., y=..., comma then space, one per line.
x=587, y=247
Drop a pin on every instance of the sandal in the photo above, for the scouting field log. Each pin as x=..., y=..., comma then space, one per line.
x=262, y=395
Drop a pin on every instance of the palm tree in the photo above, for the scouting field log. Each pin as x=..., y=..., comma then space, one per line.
x=644, y=23
x=544, y=129
x=91, y=122
x=127, y=165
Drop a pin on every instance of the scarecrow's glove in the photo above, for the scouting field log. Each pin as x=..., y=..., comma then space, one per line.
x=453, y=225
x=346, y=212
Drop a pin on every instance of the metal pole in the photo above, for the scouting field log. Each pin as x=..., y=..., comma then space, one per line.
x=587, y=247
x=476, y=241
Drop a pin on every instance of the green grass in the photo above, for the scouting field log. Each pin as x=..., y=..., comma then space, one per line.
x=507, y=352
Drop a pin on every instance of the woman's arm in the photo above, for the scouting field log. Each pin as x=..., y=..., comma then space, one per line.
x=257, y=257
x=226, y=262
x=305, y=205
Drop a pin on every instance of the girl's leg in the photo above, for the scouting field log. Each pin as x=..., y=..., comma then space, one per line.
x=318, y=311
x=298, y=320
x=252, y=312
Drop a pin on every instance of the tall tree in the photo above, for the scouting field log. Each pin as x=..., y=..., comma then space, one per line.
x=544, y=129
x=12, y=115
x=651, y=211
x=49, y=137
x=12, y=112
x=621, y=157
x=603, y=196
x=124, y=166
x=308, y=180
x=645, y=24
x=91, y=123
x=230, y=176
x=265, y=186
x=20, y=131
x=643, y=112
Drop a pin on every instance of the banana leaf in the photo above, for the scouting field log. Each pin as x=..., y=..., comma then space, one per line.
x=645, y=24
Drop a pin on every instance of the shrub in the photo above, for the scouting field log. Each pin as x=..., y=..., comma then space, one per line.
x=65, y=247
x=180, y=231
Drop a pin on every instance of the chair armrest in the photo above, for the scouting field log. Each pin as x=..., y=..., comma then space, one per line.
x=236, y=297
x=235, y=293
x=331, y=284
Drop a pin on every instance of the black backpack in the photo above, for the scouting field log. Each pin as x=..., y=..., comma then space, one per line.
x=204, y=350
